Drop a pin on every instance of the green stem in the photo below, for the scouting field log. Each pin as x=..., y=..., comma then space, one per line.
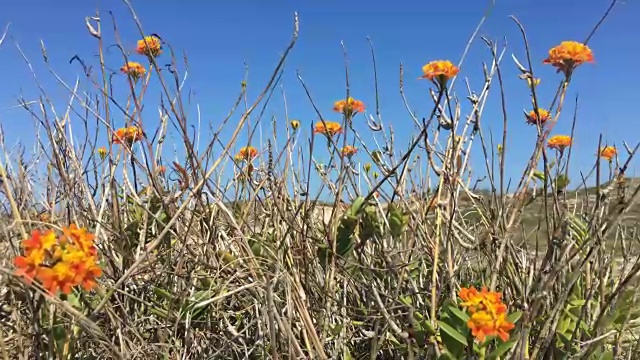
x=483, y=352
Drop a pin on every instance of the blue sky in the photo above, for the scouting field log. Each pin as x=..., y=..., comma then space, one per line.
x=218, y=37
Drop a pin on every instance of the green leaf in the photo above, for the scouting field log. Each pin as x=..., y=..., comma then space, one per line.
x=451, y=343
x=346, y=355
x=455, y=334
x=324, y=255
x=335, y=331
x=514, y=317
x=73, y=300
x=398, y=220
x=376, y=156
x=459, y=314
x=163, y=293
x=356, y=206
x=577, y=303
x=346, y=229
x=607, y=355
x=420, y=337
x=426, y=326
x=446, y=356
x=562, y=182
x=538, y=175
x=564, y=338
x=503, y=348
x=256, y=247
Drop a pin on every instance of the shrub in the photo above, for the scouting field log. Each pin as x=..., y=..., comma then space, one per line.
x=259, y=249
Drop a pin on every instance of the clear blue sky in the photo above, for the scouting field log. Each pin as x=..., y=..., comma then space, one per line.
x=218, y=36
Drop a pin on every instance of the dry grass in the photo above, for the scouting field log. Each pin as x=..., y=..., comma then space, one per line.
x=190, y=273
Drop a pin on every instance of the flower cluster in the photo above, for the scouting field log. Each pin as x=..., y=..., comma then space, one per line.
x=59, y=263
x=439, y=70
x=246, y=153
x=559, y=142
x=349, y=107
x=568, y=55
x=488, y=315
x=349, y=151
x=533, y=119
x=133, y=69
x=328, y=128
x=127, y=135
x=608, y=152
x=150, y=46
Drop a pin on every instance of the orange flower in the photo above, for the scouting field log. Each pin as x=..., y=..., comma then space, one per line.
x=328, y=128
x=154, y=49
x=476, y=300
x=82, y=264
x=28, y=266
x=80, y=238
x=162, y=169
x=247, y=153
x=608, y=152
x=440, y=70
x=471, y=298
x=39, y=241
x=349, y=106
x=568, y=55
x=532, y=118
x=134, y=69
x=559, y=142
x=349, y=151
x=58, y=277
x=502, y=326
x=59, y=264
x=127, y=135
x=488, y=313
x=483, y=324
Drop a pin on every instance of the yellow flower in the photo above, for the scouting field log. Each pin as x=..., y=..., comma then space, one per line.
x=568, y=55
x=154, y=49
x=440, y=70
x=608, y=153
x=559, y=142
x=532, y=118
x=295, y=124
x=367, y=167
x=133, y=69
x=349, y=106
x=102, y=152
x=533, y=82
